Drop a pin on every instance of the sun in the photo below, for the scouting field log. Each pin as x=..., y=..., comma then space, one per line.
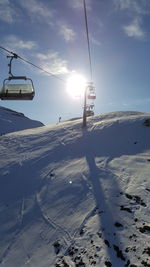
x=76, y=85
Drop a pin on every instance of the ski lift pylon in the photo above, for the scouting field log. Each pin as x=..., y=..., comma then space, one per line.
x=15, y=91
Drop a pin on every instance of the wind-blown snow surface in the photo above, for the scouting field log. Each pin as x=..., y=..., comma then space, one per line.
x=12, y=121
x=74, y=197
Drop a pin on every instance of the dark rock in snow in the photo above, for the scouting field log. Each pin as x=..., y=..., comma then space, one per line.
x=81, y=232
x=147, y=251
x=144, y=229
x=80, y=264
x=125, y=208
x=99, y=234
x=57, y=246
x=108, y=263
x=136, y=198
x=127, y=264
x=119, y=252
x=107, y=243
x=132, y=236
x=117, y=224
x=145, y=263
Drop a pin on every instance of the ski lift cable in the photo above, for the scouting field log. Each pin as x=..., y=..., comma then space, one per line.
x=88, y=41
x=32, y=64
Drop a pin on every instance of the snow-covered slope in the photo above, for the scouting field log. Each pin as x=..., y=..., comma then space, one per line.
x=12, y=121
x=77, y=197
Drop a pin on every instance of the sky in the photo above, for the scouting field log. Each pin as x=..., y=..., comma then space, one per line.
x=51, y=34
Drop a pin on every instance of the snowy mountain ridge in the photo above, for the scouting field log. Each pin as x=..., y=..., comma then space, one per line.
x=12, y=121
x=74, y=197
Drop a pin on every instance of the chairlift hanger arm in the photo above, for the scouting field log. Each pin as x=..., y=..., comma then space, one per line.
x=12, y=77
x=10, y=64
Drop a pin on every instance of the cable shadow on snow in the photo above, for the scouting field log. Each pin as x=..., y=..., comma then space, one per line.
x=106, y=210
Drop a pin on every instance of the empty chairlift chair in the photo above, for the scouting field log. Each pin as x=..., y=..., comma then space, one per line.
x=91, y=91
x=89, y=110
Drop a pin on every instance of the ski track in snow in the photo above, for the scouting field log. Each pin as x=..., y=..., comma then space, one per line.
x=65, y=236
x=52, y=223
x=76, y=234
x=69, y=240
x=105, y=170
x=99, y=169
x=20, y=220
x=22, y=211
x=8, y=249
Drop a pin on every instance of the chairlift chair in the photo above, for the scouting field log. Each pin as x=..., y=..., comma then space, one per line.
x=15, y=91
x=91, y=91
x=92, y=105
x=89, y=111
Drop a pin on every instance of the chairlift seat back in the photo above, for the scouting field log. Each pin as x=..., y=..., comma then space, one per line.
x=91, y=87
x=89, y=113
x=17, y=92
x=91, y=96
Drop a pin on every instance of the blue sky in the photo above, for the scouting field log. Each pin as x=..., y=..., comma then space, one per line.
x=51, y=34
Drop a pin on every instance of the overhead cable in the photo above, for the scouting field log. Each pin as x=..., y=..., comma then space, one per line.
x=88, y=41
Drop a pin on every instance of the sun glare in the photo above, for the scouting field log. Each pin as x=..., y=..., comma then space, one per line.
x=76, y=85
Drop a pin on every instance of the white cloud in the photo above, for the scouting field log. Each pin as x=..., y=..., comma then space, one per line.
x=136, y=10
x=79, y=4
x=12, y=42
x=51, y=62
x=37, y=9
x=76, y=3
x=40, y=11
x=134, y=29
x=134, y=6
x=130, y=5
x=66, y=32
x=95, y=41
x=7, y=13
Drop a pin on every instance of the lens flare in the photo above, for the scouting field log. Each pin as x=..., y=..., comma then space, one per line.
x=76, y=85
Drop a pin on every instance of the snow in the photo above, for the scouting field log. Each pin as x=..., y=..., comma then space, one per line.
x=76, y=197
x=12, y=121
